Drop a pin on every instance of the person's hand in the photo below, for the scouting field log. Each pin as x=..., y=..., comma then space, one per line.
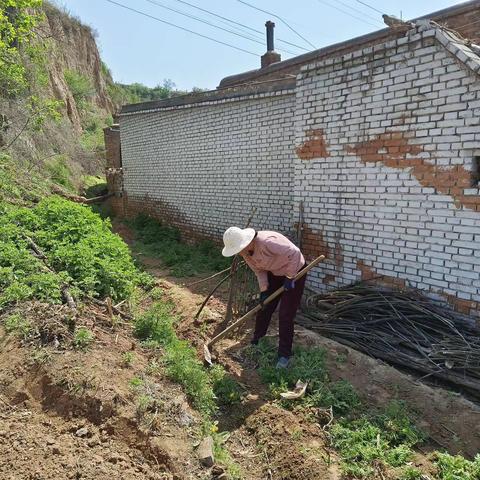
x=289, y=284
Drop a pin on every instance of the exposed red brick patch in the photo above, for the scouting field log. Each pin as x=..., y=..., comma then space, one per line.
x=467, y=307
x=393, y=150
x=313, y=244
x=338, y=255
x=314, y=147
x=369, y=273
x=328, y=279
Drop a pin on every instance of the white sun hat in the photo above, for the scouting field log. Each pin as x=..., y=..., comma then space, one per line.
x=236, y=239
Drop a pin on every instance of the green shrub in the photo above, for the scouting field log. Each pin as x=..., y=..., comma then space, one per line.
x=60, y=173
x=17, y=325
x=82, y=338
x=164, y=242
x=79, y=246
x=452, y=467
x=79, y=85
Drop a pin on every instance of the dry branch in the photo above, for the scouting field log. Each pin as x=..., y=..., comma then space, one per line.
x=401, y=327
x=67, y=296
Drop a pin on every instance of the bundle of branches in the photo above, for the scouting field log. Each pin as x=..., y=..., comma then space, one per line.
x=401, y=327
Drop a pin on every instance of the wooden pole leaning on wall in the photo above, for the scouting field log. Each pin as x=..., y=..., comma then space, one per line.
x=233, y=278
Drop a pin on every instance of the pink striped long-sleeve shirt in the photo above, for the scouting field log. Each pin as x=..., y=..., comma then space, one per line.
x=275, y=253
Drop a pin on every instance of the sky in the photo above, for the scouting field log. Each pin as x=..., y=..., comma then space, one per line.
x=141, y=49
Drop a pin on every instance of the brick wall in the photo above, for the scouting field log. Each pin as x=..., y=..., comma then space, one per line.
x=381, y=145
x=386, y=140
x=204, y=166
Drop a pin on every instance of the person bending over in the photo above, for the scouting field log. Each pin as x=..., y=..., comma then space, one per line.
x=275, y=261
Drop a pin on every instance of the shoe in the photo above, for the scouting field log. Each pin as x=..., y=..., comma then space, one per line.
x=283, y=362
x=253, y=342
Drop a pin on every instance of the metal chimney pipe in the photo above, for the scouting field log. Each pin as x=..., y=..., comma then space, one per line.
x=270, y=26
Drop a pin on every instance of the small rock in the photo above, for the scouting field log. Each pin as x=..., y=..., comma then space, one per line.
x=82, y=432
x=3, y=433
x=50, y=441
x=205, y=452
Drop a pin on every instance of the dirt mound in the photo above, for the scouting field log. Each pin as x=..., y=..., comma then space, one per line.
x=74, y=414
x=296, y=449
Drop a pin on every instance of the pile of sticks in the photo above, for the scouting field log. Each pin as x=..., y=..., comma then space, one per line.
x=401, y=327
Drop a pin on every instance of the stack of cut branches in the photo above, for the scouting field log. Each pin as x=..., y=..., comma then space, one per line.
x=401, y=327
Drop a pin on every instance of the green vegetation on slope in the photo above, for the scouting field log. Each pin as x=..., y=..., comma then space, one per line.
x=80, y=248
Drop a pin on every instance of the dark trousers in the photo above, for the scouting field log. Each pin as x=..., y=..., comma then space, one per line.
x=289, y=303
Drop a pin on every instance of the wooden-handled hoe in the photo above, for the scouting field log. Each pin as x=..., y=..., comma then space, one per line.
x=253, y=311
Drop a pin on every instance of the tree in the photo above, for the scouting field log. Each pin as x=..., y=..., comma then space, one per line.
x=17, y=21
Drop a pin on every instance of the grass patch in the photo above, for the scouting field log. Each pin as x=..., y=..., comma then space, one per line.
x=80, y=248
x=180, y=359
x=456, y=467
x=20, y=184
x=94, y=186
x=164, y=242
x=16, y=325
x=306, y=365
x=60, y=173
x=372, y=441
x=206, y=389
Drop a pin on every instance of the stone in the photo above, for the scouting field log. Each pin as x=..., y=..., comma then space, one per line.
x=81, y=432
x=205, y=452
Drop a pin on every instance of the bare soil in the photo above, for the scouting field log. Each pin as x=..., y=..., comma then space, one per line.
x=69, y=414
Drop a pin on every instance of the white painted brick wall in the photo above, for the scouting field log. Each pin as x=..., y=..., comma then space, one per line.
x=214, y=163
x=384, y=216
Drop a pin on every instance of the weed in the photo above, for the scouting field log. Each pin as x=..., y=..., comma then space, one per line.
x=16, y=325
x=128, y=358
x=307, y=365
x=164, y=242
x=226, y=389
x=156, y=324
x=183, y=366
x=144, y=403
x=410, y=473
x=136, y=383
x=153, y=368
x=41, y=356
x=297, y=434
x=156, y=293
x=341, y=358
x=83, y=338
x=452, y=467
x=385, y=438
